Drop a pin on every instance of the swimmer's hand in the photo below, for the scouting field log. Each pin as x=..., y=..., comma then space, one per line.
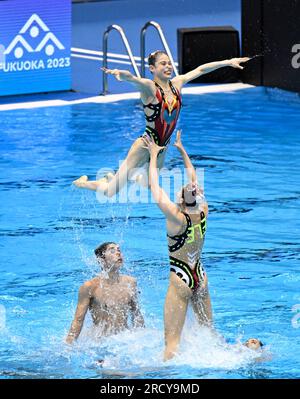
x=118, y=74
x=178, y=143
x=151, y=146
x=235, y=62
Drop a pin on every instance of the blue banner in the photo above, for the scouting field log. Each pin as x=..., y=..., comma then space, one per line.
x=35, y=46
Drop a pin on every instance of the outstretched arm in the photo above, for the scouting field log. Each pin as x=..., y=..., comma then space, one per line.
x=209, y=67
x=190, y=170
x=169, y=209
x=82, y=307
x=145, y=86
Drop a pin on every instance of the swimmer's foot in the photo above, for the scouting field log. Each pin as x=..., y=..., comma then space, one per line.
x=81, y=182
x=95, y=185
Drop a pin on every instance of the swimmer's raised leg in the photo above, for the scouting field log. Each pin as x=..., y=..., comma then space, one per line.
x=110, y=185
x=143, y=178
x=110, y=176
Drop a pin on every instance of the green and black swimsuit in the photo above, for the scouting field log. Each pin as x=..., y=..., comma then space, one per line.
x=185, y=250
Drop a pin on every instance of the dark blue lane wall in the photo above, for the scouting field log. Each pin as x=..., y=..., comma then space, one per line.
x=272, y=31
x=89, y=21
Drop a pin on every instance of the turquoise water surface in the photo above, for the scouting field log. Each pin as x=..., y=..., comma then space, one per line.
x=249, y=146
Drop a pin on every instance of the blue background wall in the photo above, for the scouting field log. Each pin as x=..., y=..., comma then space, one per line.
x=35, y=39
x=90, y=20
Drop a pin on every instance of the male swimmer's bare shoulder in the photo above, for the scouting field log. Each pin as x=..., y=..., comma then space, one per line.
x=90, y=285
x=87, y=284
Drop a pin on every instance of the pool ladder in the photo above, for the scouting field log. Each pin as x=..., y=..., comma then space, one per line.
x=129, y=52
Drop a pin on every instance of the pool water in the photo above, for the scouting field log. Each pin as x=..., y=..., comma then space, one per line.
x=249, y=145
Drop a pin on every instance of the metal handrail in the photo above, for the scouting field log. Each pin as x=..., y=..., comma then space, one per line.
x=164, y=42
x=129, y=52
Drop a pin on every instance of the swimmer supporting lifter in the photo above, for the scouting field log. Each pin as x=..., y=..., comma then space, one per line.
x=186, y=227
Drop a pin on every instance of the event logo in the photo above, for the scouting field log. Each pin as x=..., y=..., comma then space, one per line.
x=35, y=26
x=34, y=37
x=35, y=46
x=296, y=58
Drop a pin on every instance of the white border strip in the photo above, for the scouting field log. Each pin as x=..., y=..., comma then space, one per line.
x=94, y=58
x=98, y=56
x=100, y=53
x=223, y=88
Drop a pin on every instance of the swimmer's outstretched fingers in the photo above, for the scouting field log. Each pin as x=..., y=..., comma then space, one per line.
x=115, y=72
x=149, y=142
x=178, y=143
x=235, y=62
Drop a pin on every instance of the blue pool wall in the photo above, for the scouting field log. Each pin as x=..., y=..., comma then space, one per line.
x=89, y=21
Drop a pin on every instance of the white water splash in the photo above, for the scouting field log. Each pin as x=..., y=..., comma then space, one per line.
x=142, y=349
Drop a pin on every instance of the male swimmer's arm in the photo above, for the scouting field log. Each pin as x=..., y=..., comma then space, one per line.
x=190, y=170
x=137, y=317
x=169, y=209
x=144, y=85
x=82, y=307
x=209, y=67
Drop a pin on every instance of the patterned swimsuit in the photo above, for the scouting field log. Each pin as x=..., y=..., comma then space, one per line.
x=164, y=115
x=184, y=252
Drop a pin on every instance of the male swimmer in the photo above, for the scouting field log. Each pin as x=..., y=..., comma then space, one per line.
x=186, y=228
x=110, y=297
x=161, y=98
